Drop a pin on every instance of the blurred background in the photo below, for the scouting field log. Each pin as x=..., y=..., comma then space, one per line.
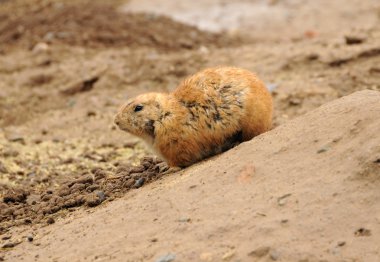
x=67, y=66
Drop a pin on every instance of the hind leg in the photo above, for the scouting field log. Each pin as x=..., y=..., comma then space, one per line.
x=258, y=117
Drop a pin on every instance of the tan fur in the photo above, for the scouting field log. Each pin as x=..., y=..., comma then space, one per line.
x=206, y=114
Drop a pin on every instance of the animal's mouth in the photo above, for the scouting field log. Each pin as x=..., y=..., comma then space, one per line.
x=123, y=128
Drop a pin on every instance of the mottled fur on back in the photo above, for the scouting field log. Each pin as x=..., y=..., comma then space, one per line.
x=208, y=113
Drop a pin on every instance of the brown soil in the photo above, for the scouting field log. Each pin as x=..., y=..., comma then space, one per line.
x=96, y=24
x=74, y=187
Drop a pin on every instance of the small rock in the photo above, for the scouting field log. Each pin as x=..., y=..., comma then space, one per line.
x=86, y=179
x=95, y=198
x=227, y=256
x=100, y=173
x=37, y=141
x=312, y=56
x=11, y=244
x=362, y=232
x=283, y=199
x=295, y=101
x=204, y=50
x=3, y=169
x=354, y=40
x=139, y=183
x=91, y=113
x=129, y=183
x=69, y=160
x=259, y=252
x=341, y=243
x=322, y=149
x=183, y=220
x=49, y=36
x=100, y=195
x=30, y=238
x=92, y=188
x=272, y=86
x=40, y=47
x=284, y=221
x=136, y=169
x=166, y=258
x=274, y=255
x=84, y=85
x=56, y=140
x=15, y=137
x=50, y=221
x=63, y=191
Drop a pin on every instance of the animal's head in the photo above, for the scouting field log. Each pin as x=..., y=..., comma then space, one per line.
x=139, y=115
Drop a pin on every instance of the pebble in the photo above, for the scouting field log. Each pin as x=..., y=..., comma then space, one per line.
x=139, y=183
x=11, y=244
x=166, y=258
x=283, y=199
x=50, y=220
x=354, y=40
x=15, y=137
x=341, y=243
x=101, y=195
x=259, y=252
x=272, y=86
x=274, y=255
x=94, y=199
x=3, y=169
x=322, y=149
x=362, y=232
x=228, y=255
x=184, y=219
x=30, y=238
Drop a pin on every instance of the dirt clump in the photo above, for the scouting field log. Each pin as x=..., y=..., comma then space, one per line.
x=29, y=206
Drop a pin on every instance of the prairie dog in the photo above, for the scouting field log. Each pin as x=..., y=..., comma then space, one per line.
x=208, y=113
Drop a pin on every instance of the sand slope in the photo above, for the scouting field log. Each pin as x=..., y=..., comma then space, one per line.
x=308, y=190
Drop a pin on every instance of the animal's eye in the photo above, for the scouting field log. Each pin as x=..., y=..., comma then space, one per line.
x=138, y=108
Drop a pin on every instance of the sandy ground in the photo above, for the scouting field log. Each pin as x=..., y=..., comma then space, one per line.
x=273, y=198
x=74, y=188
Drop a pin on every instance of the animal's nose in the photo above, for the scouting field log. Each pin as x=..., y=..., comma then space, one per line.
x=117, y=121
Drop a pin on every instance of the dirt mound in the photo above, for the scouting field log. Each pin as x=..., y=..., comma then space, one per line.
x=96, y=24
x=30, y=206
x=254, y=202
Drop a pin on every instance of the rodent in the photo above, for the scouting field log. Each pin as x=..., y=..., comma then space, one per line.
x=208, y=113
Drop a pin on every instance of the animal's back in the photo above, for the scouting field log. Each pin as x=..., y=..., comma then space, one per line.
x=227, y=97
